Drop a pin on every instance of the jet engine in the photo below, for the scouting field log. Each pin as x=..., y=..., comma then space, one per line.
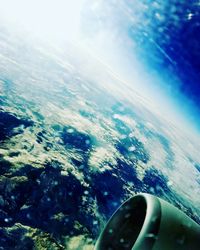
x=145, y=222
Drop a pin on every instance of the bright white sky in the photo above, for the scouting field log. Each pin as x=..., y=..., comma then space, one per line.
x=52, y=19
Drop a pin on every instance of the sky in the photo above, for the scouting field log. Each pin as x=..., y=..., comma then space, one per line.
x=151, y=45
x=159, y=39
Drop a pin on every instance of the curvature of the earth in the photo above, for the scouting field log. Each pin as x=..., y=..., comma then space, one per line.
x=74, y=146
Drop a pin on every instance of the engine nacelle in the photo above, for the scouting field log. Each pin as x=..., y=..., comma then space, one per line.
x=145, y=222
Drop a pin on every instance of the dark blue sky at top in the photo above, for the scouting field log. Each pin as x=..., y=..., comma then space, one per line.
x=171, y=42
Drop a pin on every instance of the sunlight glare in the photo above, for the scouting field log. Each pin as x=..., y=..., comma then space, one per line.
x=51, y=19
